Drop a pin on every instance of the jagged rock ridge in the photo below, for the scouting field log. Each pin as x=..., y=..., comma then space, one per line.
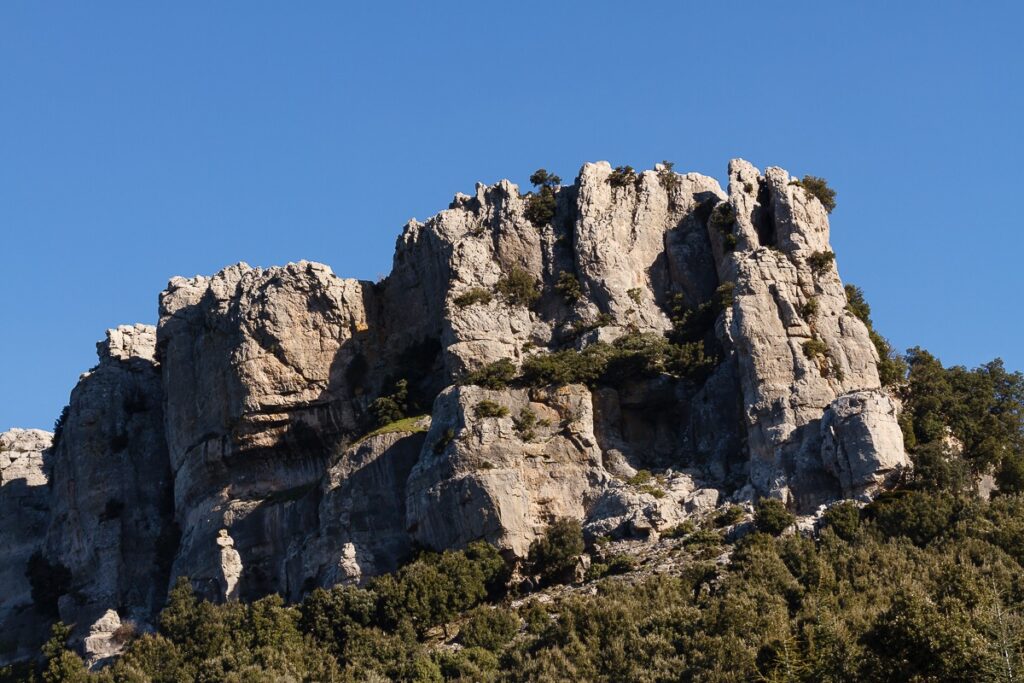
x=227, y=444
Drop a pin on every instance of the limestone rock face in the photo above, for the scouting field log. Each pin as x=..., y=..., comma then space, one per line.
x=110, y=510
x=481, y=476
x=24, y=507
x=234, y=443
x=361, y=529
x=798, y=348
x=861, y=442
x=257, y=396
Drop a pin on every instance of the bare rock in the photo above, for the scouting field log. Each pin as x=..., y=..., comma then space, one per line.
x=798, y=348
x=259, y=393
x=482, y=477
x=111, y=525
x=861, y=442
x=24, y=506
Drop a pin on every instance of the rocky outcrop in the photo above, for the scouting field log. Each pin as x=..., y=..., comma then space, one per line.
x=361, y=524
x=233, y=444
x=24, y=509
x=256, y=398
x=798, y=348
x=861, y=442
x=110, y=511
x=483, y=473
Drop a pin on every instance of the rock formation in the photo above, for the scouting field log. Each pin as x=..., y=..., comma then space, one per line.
x=24, y=508
x=232, y=443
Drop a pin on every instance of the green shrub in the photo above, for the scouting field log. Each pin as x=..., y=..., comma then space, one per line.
x=891, y=367
x=475, y=295
x=496, y=375
x=640, y=478
x=937, y=468
x=857, y=304
x=809, y=309
x=667, y=177
x=818, y=188
x=392, y=407
x=703, y=538
x=921, y=517
x=436, y=587
x=723, y=217
x=489, y=628
x=843, y=519
x=58, y=426
x=821, y=261
x=680, y=530
x=442, y=443
x=1010, y=476
x=815, y=348
x=540, y=207
x=518, y=287
x=580, y=327
x=636, y=294
x=622, y=176
x=772, y=517
x=569, y=287
x=488, y=408
x=728, y=516
x=554, y=555
x=541, y=178
x=567, y=367
x=652, y=490
x=526, y=424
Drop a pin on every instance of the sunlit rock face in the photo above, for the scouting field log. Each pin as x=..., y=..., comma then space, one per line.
x=231, y=443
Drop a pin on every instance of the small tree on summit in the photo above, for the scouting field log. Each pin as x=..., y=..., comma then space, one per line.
x=540, y=207
x=818, y=187
x=541, y=178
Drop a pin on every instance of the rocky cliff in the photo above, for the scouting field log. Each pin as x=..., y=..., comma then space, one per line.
x=646, y=349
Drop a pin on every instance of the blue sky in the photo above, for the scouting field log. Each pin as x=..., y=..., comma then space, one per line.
x=139, y=141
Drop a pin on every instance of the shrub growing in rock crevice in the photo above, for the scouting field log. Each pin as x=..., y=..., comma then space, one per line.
x=518, y=287
x=821, y=261
x=569, y=287
x=622, y=176
x=553, y=556
x=392, y=407
x=818, y=188
x=488, y=408
x=540, y=207
x=892, y=369
x=668, y=178
x=476, y=295
x=496, y=375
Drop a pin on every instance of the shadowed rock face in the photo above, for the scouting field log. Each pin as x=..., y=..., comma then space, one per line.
x=225, y=444
x=24, y=508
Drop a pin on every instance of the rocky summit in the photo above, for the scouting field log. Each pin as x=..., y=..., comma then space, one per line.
x=629, y=351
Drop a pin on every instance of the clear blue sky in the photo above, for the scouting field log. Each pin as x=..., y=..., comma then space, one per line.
x=139, y=141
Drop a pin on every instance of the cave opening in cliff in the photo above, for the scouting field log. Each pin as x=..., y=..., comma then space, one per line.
x=764, y=216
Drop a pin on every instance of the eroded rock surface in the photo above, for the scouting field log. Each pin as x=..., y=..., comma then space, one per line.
x=111, y=525
x=24, y=509
x=227, y=444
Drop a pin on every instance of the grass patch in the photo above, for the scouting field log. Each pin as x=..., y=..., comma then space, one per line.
x=406, y=424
